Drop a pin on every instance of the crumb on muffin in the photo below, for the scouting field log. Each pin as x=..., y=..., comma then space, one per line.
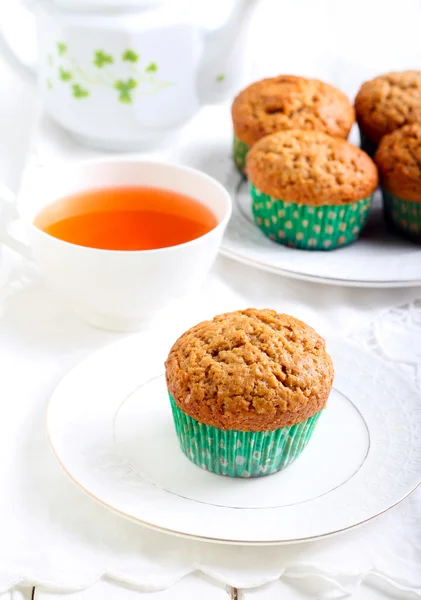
x=250, y=370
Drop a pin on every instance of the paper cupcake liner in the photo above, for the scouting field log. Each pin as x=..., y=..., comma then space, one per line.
x=367, y=145
x=241, y=453
x=405, y=216
x=309, y=227
x=240, y=150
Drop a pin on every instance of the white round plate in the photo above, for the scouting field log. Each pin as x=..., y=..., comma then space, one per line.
x=110, y=427
x=377, y=259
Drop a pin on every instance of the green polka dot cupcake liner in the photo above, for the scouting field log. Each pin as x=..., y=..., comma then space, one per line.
x=241, y=453
x=309, y=227
x=240, y=151
x=403, y=215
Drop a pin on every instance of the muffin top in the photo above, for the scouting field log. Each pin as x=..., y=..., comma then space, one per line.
x=388, y=102
x=289, y=102
x=310, y=167
x=399, y=160
x=250, y=370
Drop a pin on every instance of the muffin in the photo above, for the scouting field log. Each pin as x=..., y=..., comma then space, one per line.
x=288, y=102
x=246, y=391
x=310, y=190
x=385, y=104
x=399, y=161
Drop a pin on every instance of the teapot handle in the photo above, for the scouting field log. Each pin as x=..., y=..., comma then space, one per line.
x=26, y=70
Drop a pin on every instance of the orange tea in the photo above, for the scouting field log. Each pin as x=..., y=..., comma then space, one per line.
x=126, y=218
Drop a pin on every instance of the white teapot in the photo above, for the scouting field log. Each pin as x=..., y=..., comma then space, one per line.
x=121, y=75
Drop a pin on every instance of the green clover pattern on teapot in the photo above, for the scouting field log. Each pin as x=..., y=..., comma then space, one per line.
x=142, y=79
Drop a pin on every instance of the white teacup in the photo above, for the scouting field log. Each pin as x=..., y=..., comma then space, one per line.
x=111, y=289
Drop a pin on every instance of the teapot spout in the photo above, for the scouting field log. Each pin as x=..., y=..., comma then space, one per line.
x=222, y=67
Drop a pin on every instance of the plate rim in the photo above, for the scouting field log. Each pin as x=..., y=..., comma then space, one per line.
x=226, y=542
x=190, y=536
x=354, y=283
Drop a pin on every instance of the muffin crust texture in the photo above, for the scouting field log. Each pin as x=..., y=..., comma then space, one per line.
x=289, y=102
x=388, y=102
x=250, y=370
x=309, y=167
x=399, y=161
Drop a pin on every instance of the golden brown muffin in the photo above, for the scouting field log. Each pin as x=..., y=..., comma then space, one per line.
x=289, y=102
x=309, y=167
x=388, y=102
x=250, y=370
x=399, y=161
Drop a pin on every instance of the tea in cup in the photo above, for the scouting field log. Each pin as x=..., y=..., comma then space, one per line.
x=118, y=239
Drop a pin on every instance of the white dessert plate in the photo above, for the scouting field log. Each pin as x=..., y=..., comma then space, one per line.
x=110, y=427
x=377, y=259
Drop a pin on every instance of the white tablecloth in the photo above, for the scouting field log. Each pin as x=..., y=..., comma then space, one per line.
x=53, y=536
